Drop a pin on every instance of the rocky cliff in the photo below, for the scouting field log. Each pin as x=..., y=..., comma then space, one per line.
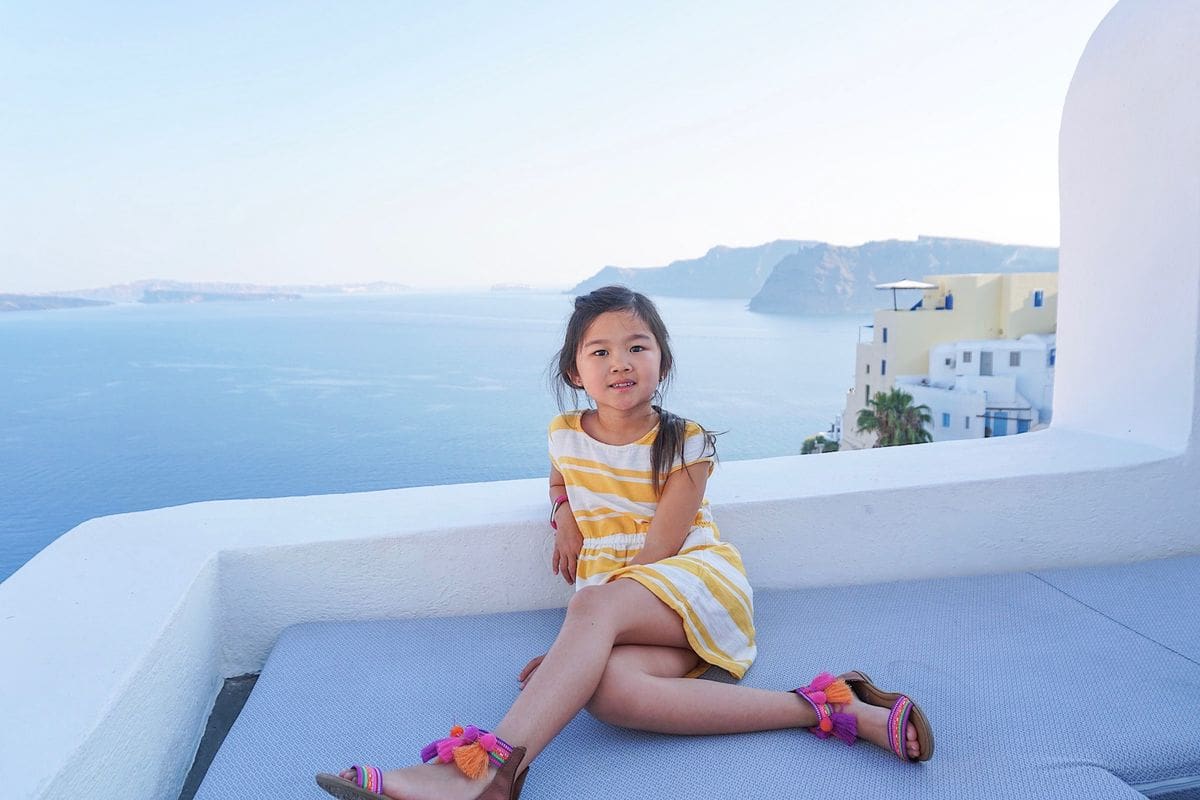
x=721, y=272
x=828, y=279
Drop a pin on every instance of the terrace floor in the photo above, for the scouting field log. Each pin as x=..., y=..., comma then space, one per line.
x=1070, y=683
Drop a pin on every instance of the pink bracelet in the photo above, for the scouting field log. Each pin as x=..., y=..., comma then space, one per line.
x=556, y=504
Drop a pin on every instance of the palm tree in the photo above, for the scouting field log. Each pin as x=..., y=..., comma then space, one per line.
x=895, y=420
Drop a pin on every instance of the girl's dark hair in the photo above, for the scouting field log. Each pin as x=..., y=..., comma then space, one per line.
x=668, y=445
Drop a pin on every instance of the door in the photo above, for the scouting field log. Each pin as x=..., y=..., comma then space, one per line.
x=1000, y=423
x=985, y=362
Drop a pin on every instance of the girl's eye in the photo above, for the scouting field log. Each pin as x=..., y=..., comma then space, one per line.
x=600, y=353
x=637, y=348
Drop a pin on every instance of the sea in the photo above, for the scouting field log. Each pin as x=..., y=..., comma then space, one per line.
x=129, y=407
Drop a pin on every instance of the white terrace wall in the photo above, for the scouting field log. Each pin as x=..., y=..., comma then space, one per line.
x=1129, y=185
x=115, y=637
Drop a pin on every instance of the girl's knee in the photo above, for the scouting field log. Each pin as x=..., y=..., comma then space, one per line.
x=587, y=602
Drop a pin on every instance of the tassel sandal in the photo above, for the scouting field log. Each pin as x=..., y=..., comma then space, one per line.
x=826, y=691
x=470, y=749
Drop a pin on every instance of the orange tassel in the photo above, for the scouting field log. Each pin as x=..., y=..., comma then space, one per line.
x=472, y=760
x=838, y=692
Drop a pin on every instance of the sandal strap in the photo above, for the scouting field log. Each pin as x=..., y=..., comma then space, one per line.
x=823, y=689
x=368, y=777
x=897, y=722
x=471, y=749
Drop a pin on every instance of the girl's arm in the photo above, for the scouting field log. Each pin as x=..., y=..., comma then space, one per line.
x=568, y=541
x=681, y=498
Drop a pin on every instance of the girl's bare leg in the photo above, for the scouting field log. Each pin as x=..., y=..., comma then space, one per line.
x=643, y=688
x=598, y=618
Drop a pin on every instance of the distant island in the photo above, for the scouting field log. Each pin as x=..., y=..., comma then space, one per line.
x=841, y=280
x=806, y=277
x=721, y=272
x=168, y=296
x=37, y=302
x=157, y=290
x=165, y=291
x=786, y=276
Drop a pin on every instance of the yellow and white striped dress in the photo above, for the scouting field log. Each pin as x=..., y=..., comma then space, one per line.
x=611, y=495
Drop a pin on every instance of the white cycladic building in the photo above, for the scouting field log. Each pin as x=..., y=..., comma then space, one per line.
x=988, y=387
x=973, y=307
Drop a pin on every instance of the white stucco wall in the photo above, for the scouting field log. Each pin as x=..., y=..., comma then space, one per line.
x=116, y=636
x=960, y=405
x=1129, y=161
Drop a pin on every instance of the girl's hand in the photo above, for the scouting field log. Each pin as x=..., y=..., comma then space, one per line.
x=527, y=673
x=568, y=541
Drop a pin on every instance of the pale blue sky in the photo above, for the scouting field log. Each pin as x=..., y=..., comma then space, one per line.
x=453, y=144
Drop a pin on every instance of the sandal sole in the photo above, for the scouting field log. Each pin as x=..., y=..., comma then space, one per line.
x=860, y=683
x=343, y=789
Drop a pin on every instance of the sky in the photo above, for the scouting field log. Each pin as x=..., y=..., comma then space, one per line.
x=451, y=145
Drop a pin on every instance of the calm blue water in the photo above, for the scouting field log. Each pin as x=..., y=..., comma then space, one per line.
x=130, y=407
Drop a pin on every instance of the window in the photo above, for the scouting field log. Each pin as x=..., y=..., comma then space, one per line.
x=946, y=420
x=1014, y=358
x=868, y=369
x=967, y=423
x=1050, y=358
x=885, y=335
x=949, y=362
x=967, y=357
x=883, y=367
x=1038, y=298
x=868, y=392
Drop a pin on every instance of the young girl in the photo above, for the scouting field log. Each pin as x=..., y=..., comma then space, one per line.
x=659, y=596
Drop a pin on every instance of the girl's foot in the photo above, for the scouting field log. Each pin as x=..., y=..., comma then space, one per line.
x=430, y=782
x=873, y=726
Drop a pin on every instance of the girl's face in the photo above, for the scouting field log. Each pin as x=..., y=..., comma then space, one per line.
x=618, y=362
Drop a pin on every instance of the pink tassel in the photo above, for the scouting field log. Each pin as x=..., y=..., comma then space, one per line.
x=817, y=697
x=488, y=741
x=820, y=682
x=445, y=750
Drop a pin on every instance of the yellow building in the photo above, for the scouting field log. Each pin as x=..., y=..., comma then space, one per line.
x=972, y=306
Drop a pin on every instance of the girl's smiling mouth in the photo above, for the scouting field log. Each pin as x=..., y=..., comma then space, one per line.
x=623, y=385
